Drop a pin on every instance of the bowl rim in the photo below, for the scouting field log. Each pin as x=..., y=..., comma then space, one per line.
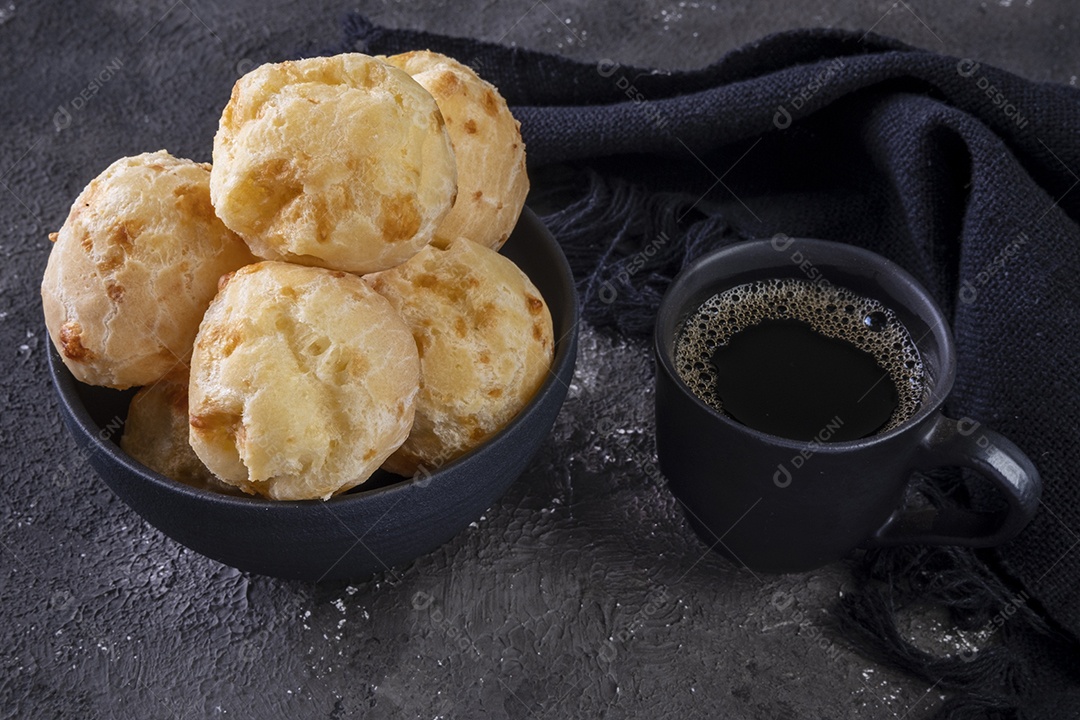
x=67, y=391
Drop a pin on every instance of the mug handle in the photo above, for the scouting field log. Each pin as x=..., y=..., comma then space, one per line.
x=965, y=443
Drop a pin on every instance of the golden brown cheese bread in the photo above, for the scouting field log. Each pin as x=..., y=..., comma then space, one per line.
x=340, y=162
x=303, y=381
x=133, y=269
x=492, y=182
x=156, y=433
x=485, y=340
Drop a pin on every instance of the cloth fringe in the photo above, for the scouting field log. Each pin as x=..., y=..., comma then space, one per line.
x=625, y=245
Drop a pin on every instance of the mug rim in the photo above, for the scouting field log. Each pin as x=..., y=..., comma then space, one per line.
x=669, y=316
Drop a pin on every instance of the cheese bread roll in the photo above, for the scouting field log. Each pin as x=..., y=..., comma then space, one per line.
x=156, y=433
x=133, y=269
x=303, y=382
x=492, y=182
x=485, y=340
x=340, y=162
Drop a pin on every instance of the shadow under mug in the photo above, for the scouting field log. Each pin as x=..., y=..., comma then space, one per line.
x=781, y=505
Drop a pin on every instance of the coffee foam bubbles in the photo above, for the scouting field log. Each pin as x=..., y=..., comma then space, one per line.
x=830, y=310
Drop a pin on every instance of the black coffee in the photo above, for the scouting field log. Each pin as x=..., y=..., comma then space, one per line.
x=805, y=361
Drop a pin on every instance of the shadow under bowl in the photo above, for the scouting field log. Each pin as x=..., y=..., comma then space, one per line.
x=385, y=522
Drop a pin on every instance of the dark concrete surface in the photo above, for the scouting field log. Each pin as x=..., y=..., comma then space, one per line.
x=581, y=594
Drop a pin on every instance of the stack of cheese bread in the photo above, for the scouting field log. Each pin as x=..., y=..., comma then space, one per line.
x=324, y=300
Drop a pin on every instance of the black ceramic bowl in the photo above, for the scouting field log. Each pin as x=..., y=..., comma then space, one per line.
x=385, y=522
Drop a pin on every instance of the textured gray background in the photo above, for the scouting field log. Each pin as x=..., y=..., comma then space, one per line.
x=582, y=593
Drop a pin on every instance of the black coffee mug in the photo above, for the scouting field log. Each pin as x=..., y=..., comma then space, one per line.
x=781, y=505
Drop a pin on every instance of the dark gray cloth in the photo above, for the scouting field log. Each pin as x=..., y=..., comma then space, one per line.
x=962, y=173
